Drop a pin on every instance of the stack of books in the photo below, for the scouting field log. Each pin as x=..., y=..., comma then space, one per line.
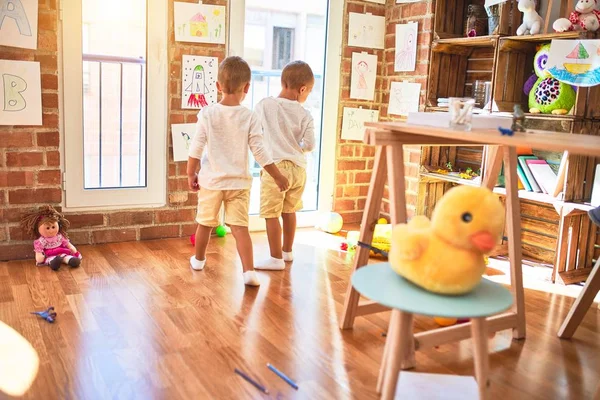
x=538, y=175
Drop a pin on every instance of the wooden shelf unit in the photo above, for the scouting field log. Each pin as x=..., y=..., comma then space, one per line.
x=555, y=231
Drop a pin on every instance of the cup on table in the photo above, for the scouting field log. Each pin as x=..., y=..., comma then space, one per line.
x=461, y=113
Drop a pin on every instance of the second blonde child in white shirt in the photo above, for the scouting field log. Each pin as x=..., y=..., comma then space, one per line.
x=289, y=133
x=224, y=133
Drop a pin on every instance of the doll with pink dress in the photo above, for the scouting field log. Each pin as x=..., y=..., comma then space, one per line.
x=51, y=245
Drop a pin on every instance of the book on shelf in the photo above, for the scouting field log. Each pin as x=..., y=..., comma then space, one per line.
x=535, y=187
x=523, y=178
x=543, y=174
x=562, y=175
x=596, y=188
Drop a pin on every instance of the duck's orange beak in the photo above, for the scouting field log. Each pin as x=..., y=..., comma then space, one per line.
x=484, y=241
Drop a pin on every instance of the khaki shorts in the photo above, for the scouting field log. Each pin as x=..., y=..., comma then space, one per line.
x=236, y=202
x=272, y=201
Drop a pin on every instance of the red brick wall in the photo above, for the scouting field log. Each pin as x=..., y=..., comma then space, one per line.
x=30, y=160
x=354, y=159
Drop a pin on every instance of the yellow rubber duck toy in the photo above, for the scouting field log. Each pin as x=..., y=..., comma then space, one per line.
x=446, y=255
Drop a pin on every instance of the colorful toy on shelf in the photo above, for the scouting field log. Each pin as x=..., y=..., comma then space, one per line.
x=446, y=254
x=548, y=95
x=532, y=22
x=584, y=18
x=331, y=222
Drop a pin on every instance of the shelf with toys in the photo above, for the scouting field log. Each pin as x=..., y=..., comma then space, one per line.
x=514, y=70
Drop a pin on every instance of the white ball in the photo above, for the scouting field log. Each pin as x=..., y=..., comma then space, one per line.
x=331, y=222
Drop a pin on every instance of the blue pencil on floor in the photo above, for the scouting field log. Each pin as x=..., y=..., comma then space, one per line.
x=252, y=381
x=283, y=376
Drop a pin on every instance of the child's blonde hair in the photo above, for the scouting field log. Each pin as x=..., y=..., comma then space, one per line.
x=234, y=74
x=296, y=74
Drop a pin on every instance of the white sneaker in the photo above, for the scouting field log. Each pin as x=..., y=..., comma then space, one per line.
x=251, y=278
x=271, y=264
x=288, y=256
x=196, y=264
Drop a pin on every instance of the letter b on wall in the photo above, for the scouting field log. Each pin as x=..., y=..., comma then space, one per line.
x=13, y=87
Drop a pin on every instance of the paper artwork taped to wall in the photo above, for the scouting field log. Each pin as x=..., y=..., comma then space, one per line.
x=404, y=98
x=19, y=23
x=198, y=81
x=406, y=47
x=199, y=23
x=362, y=80
x=366, y=30
x=575, y=62
x=182, y=135
x=353, y=123
x=20, y=93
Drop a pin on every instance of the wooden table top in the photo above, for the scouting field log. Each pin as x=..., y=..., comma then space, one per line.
x=541, y=140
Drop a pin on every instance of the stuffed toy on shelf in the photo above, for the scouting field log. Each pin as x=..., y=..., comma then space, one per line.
x=446, y=254
x=532, y=22
x=584, y=18
x=548, y=95
x=51, y=245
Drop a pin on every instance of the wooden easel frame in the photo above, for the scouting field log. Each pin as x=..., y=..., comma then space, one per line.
x=389, y=163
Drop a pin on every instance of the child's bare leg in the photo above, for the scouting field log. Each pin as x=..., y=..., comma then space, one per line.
x=289, y=233
x=243, y=242
x=198, y=260
x=274, y=235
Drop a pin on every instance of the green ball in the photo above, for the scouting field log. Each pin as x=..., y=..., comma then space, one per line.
x=221, y=231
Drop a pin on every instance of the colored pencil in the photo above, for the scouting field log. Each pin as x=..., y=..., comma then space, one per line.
x=283, y=376
x=252, y=381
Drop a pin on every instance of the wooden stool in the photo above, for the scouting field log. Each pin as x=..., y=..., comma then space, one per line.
x=381, y=284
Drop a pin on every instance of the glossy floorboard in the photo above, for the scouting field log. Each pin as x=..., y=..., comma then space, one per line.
x=134, y=322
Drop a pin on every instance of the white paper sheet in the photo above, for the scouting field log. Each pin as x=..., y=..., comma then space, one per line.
x=363, y=75
x=406, y=47
x=576, y=62
x=489, y=3
x=422, y=386
x=20, y=93
x=353, y=123
x=199, y=23
x=366, y=30
x=376, y=1
x=198, y=81
x=19, y=23
x=182, y=135
x=404, y=98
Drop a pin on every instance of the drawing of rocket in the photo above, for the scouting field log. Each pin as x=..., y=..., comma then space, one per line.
x=197, y=88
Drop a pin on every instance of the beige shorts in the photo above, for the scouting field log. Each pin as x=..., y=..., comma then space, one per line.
x=272, y=201
x=236, y=203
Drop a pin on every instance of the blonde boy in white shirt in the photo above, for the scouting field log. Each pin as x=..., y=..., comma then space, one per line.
x=289, y=133
x=226, y=130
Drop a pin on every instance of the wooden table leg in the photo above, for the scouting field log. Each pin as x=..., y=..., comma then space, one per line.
x=386, y=351
x=582, y=304
x=399, y=343
x=513, y=223
x=493, y=164
x=480, y=355
x=369, y=220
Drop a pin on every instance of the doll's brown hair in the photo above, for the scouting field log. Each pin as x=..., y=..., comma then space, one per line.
x=31, y=221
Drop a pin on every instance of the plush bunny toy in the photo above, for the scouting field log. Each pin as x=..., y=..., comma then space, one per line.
x=532, y=22
x=584, y=18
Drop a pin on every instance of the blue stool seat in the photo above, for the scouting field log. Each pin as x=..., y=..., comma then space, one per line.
x=381, y=284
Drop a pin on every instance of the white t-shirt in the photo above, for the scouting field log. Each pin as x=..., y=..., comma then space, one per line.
x=288, y=128
x=226, y=133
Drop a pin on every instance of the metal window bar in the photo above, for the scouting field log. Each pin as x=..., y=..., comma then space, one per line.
x=102, y=59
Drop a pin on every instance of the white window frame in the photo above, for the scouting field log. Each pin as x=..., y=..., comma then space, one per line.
x=331, y=82
x=155, y=193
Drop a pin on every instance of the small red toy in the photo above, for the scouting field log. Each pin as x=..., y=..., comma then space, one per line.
x=193, y=239
x=344, y=246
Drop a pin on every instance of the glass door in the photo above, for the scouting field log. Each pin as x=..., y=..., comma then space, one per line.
x=270, y=34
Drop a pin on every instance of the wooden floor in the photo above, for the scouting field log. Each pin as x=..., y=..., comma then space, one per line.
x=134, y=322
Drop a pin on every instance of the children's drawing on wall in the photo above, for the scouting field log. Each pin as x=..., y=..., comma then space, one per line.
x=182, y=135
x=376, y=1
x=353, y=123
x=362, y=80
x=20, y=93
x=404, y=98
x=366, y=30
x=199, y=81
x=199, y=23
x=575, y=62
x=406, y=47
x=18, y=23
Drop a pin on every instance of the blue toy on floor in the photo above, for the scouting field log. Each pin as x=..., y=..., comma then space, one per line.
x=49, y=315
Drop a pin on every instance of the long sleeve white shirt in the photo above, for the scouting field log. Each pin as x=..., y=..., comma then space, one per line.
x=288, y=128
x=223, y=136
